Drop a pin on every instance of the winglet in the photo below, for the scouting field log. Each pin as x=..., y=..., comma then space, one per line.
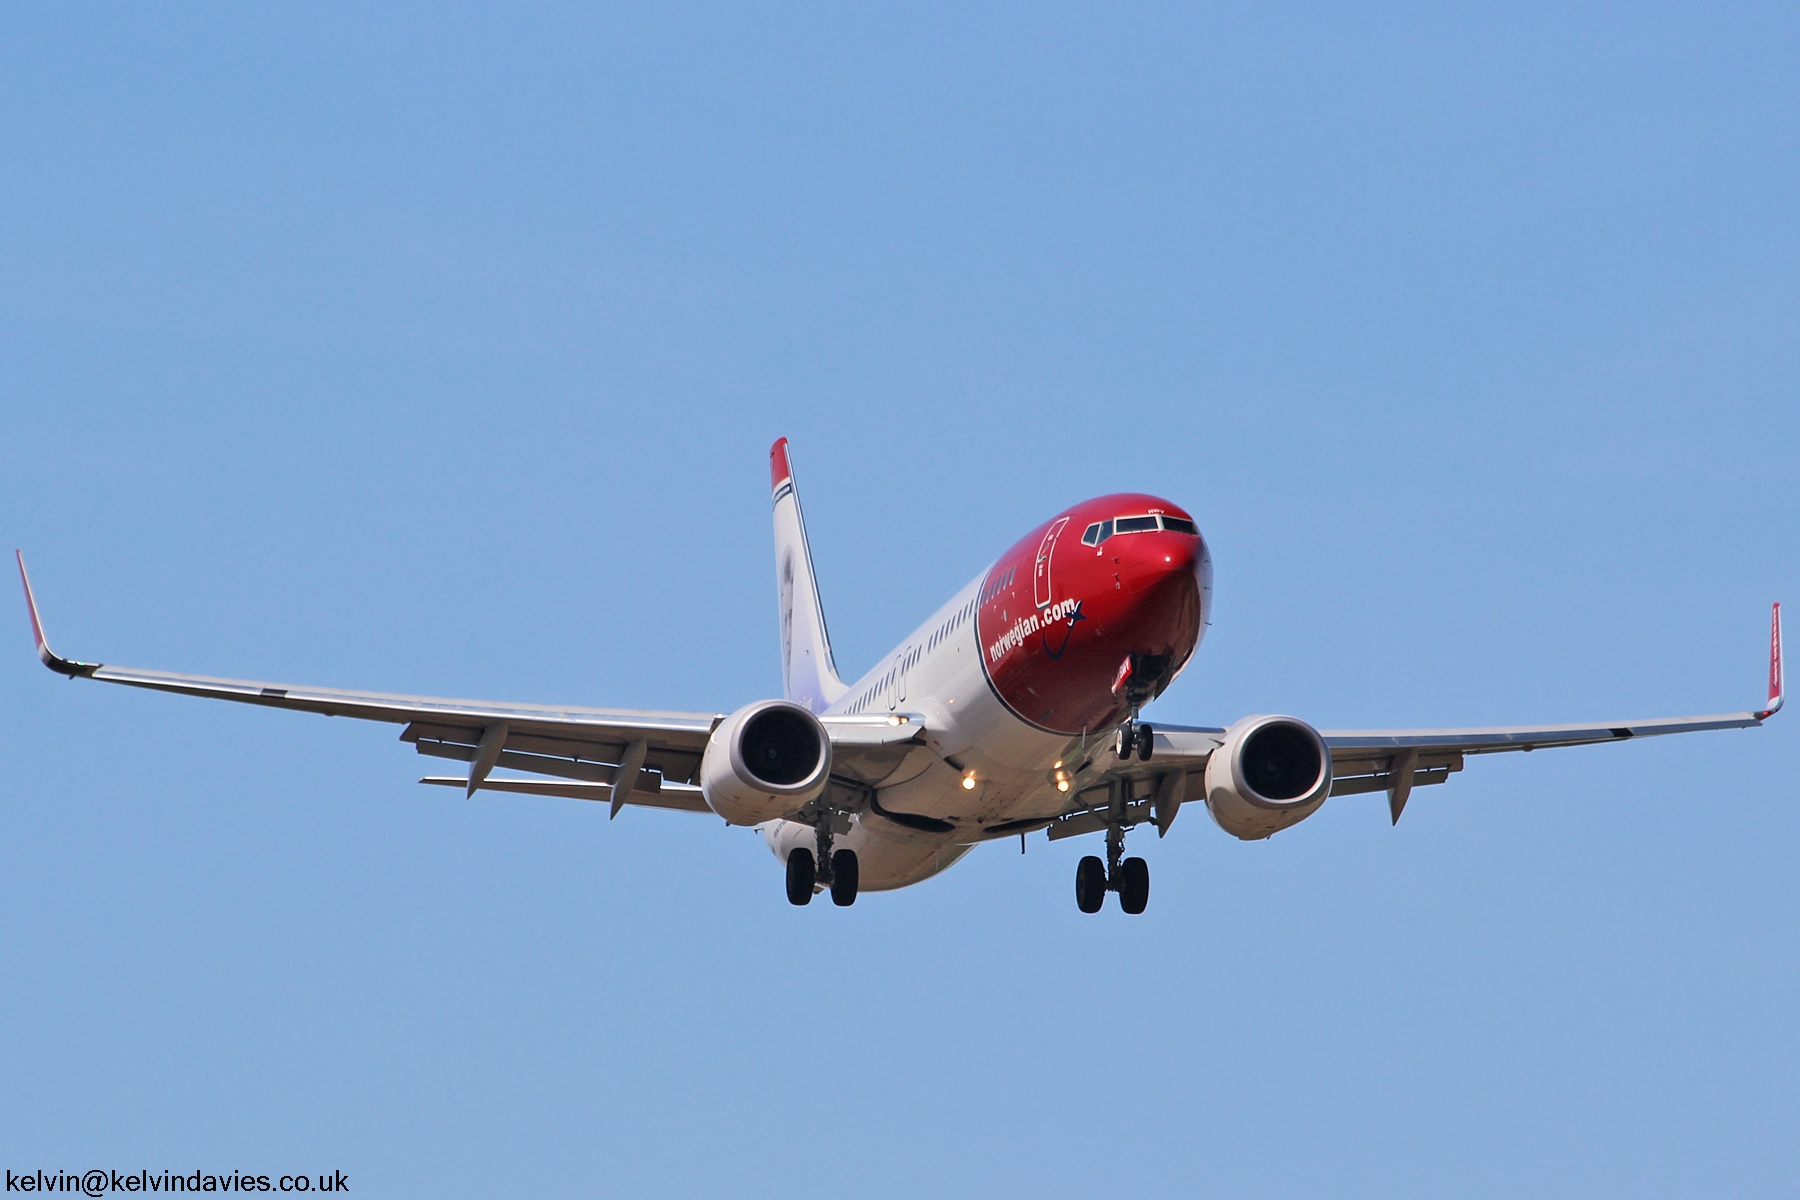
x=62, y=666
x=1777, y=686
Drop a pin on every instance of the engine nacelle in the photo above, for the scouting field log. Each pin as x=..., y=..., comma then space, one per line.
x=764, y=761
x=1271, y=772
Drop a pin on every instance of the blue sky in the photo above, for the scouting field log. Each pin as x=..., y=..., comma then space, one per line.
x=438, y=349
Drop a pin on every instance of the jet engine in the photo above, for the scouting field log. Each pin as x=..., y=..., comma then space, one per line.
x=764, y=761
x=1271, y=772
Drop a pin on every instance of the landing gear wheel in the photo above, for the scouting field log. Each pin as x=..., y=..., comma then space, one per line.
x=1124, y=741
x=1090, y=884
x=843, y=878
x=1145, y=740
x=801, y=873
x=1134, y=885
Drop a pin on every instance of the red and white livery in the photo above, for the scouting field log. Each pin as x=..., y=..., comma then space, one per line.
x=1016, y=708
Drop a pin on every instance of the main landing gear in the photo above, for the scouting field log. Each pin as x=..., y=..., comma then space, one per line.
x=1130, y=877
x=840, y=873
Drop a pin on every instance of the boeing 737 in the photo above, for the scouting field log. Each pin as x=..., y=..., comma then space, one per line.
x=1016, y=708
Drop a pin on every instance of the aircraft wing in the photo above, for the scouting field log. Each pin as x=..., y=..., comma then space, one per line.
x=620, y=756
x=1397, y=760
x=1374, y=760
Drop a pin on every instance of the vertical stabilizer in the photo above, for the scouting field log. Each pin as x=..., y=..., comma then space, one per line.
x=808, y=674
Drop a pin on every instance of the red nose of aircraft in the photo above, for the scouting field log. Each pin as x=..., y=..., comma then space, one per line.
x=1098, y=608
x=1162, y=586
x=1154, y=563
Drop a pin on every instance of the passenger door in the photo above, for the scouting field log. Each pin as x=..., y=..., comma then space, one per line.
x=1040, y=574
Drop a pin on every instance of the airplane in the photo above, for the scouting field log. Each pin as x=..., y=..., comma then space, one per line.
x=1016, y=708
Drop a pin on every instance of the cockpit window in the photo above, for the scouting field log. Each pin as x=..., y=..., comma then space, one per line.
x=1099, y=531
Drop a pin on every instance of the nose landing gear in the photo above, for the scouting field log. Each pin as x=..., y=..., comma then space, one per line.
x=1130, y=877
x=1142, y=678
x=1134, y=737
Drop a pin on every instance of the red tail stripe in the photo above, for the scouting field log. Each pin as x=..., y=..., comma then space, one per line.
x=779, y=471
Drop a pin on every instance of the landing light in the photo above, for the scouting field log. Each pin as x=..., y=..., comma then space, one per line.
x=896, y=719
x=1062, y=785
x=969, y=782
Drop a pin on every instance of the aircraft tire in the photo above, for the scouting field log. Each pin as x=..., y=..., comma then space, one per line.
x=1145, y=742
x=1134, y=885
x=843, y=878
x=1090, y=884
x=801, y=874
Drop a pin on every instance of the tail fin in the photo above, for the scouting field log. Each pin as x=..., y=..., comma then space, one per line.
x=808, y=674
